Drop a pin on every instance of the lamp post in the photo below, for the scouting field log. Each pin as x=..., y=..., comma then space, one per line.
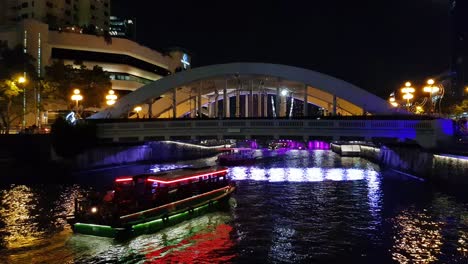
x=21, y=81
x=137, y=109
x=407, y=94
x=111, y=97
x=76, y=97
x=431, y=89
x=393, y=102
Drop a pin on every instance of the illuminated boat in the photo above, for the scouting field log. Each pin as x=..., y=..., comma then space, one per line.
x=146, y=203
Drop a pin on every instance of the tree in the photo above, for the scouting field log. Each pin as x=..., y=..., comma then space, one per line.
x=8, y=93
x=14, y=63
x=460, y=108
x=61, y=80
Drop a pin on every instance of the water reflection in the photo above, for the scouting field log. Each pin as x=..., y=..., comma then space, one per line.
x=206, y=239
x=418, y=238
x=304, y=207
x=16, y=210
x=305, y=175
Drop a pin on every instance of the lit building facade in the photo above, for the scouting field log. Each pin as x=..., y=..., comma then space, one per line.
x=129, y=64
x=459, y=46
x=57, y=13
x=122, y=28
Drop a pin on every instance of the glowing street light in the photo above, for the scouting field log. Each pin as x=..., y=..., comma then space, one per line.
x=76, y=97
x=137, y=109
x=111, y=97
x=431, y=89
x=392, y=100
x=407, y=93
x=21, y=81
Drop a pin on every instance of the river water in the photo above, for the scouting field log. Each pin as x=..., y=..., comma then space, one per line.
x=303, y=207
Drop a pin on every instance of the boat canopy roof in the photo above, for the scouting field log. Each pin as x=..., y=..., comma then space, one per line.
x=176, y=175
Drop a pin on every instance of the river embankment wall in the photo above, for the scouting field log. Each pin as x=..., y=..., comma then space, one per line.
x=412, y=160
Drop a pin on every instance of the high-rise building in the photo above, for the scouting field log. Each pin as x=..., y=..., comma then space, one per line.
x=122, y=28
x=459, y=46
x=57, y=13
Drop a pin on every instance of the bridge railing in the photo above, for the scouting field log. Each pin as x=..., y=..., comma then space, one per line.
x=426, y=132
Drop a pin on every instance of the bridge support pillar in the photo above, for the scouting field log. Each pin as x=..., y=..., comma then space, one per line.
x=225, y=100
x=283, y=108
x=277, y=112
x=306, y=105
x=246, y=105
x=251, y=99
x=199, y=100
x=211, y=109
x=334, y=105
x=216, y=99
x=265, y=105
x=150, y=108
x=259, y=104
x=238, y=100
x=174, y=103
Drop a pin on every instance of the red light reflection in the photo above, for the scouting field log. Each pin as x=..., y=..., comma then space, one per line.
x=210, y=246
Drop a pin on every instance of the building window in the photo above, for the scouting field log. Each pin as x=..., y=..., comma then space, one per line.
x=106, y=14
x=24, y=5
x=24, y=16
x=49, y=4
x=32, y=14
x=32, y=3
x=68, y=12
x=92, y=7
x=68, y=1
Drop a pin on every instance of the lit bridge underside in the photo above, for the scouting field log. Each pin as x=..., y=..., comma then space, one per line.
x=246, y=90
x=429, y=133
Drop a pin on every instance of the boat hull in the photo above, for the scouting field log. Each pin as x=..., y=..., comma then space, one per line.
x=155, y=219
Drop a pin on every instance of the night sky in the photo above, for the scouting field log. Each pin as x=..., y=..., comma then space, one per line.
x=376, y=45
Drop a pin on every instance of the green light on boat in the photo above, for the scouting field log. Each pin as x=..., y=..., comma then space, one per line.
x=158, y=224
x=95, y=230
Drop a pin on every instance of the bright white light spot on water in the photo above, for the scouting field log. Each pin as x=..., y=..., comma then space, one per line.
x=354, y=174
x=335, y=174
x=314, y=174
x=258, y=174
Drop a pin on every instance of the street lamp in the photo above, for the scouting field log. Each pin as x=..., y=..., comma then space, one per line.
x=407, y=94
x=392, y=100
x=21, y=81
x=76, y=97
x=137, y=109
x=431, y=89
x=111, y=97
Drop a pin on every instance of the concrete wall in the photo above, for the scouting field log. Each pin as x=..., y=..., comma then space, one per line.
x=418, y=162
x=150, y=152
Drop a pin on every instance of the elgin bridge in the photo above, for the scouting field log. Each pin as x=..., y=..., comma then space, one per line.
x=262, y=101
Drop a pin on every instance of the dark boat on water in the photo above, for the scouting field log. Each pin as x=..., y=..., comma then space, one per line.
x=238, y=158
x=148, y=202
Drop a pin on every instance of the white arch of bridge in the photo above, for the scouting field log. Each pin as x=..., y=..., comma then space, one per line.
x=188, y=91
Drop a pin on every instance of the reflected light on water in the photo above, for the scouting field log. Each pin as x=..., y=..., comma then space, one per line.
x=307, y=175
x=418, y=238
x=15, y=212
x=206, y=238
x=165, y=167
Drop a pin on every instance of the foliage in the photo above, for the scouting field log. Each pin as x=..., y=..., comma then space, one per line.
x=61, y=80
x=68, y=140
x=460, y=108
x=13, y=64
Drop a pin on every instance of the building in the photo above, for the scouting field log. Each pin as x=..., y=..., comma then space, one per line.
x=129, y=64
x=57, y=13
x=459, y=46
x=122, y=28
